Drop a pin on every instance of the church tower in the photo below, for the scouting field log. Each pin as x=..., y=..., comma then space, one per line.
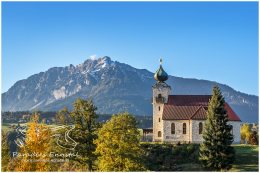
x=161, y=91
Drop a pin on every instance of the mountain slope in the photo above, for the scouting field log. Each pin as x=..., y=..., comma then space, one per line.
x=114, y=87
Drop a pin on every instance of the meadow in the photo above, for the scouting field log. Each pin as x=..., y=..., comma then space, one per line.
x=246, y=160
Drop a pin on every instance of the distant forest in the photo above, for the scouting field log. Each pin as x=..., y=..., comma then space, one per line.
x=50, y=118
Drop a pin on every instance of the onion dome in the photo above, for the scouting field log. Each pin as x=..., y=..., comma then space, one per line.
x=160, y=75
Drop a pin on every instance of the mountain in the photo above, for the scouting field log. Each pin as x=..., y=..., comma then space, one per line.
x=114, y=87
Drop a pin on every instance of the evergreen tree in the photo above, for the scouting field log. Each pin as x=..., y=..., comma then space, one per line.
x=118, y=145
x=216, y=152
x=85, y=131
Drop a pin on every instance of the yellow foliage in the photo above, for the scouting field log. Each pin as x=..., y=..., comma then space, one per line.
x=245, y=132
x=118, y=145
x=34, y=154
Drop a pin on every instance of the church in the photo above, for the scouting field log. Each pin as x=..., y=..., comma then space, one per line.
x=181, y=118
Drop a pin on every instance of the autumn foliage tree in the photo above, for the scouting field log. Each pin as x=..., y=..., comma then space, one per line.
x=38, y=141
x=245, y=133
x=118, y=145
x=253, y=138
x=5, y=152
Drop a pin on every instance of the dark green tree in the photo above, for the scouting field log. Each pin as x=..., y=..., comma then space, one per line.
x=85, y=132
x=118, y=145
x=216, y=152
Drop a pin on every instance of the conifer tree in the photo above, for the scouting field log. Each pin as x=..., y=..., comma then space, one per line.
x=85, y=131
x=118, y=145
x=216, y=152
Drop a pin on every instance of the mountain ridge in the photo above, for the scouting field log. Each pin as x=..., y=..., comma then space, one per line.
x=114, y=87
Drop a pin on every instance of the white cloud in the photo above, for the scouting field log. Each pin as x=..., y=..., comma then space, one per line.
x=93, y=57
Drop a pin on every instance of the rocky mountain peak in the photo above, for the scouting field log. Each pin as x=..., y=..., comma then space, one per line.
x=114, y=87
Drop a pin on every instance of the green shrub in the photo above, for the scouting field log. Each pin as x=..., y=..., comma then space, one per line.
x=166, y=157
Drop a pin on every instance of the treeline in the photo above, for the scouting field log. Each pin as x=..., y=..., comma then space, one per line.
x=88, y=145
x=50, y=118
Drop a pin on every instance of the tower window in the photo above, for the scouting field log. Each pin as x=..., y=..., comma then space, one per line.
x=159, y=120
x=159, y=108
x=173, y=128
x=159, y=134
x=200, y=127
x=159, y=98
x=184, y=128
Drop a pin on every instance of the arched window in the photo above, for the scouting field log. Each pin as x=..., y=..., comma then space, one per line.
x=200, y=127
x=173, y=128
x=159, y=120
x=159, y=108
x=159, y=95
x=184, y=128
x=231, y=129
x=159, y=134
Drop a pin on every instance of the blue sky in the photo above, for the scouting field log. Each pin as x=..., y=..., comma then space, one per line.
x=216, y=41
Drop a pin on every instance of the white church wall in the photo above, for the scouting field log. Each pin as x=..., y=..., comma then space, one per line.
x=196, y=137
x=178, y=136
x=192, y=131
x=236, y=131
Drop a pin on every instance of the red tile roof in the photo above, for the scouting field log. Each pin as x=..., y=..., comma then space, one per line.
x=200, y=114
x=189, y=100
x=232, y=116
x=171, y=112
x=185, y=107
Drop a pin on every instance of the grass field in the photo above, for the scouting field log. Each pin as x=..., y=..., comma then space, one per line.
x=246, y=160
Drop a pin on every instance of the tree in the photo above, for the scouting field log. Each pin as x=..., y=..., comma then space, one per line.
x=5, y=155
x=63, y=116
x=245, y=133
x=253, y=138
x=118, y=145
x=216, y=152
x=85, y=131
x=37, y=141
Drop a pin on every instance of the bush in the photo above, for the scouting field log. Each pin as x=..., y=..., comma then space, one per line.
x=253, y=138
x=166, y=157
